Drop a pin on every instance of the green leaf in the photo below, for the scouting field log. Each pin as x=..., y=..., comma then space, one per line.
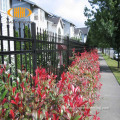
x=7, y=113
x=77, y=117
x=53, y=98
x=1, y=82
x=2, y=87
x=4, y=94
x=6, y=105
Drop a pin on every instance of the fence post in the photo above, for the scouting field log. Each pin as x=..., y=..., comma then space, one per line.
x=0, y=24
x=68, y=51
x=34, y=55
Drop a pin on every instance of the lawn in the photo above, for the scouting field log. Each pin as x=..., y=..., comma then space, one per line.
x=113, y=66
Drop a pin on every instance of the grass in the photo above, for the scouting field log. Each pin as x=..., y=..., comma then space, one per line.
x=113, y=66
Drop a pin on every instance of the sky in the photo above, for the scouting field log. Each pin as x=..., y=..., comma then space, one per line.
x=72, y=10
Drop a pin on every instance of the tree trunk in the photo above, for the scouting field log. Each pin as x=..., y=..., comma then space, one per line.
x=102, y=50
x=105, y=51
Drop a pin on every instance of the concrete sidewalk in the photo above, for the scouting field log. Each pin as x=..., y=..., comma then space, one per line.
x=109, y=104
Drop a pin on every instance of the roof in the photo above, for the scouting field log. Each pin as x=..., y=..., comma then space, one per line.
x=77, y=30
x=30, y=2
x=64, y=19
x=55, y=20
x=33, y=3
x=68, y=21
x=84, y=30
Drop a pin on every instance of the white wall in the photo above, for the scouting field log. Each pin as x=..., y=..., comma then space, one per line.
x=41, y=22
x=85, y=38
x=51, y=27
x=61, y=28
x=72, y=31
x=54, y=28
x=4, y=26
x=78, y=36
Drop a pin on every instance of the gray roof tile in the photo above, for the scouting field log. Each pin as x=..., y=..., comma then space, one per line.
x=84, y=30
x=55, y=20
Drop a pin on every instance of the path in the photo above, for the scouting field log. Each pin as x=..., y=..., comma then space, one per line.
x=109, y=103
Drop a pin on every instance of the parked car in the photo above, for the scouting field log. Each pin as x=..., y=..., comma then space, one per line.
x=115, y=55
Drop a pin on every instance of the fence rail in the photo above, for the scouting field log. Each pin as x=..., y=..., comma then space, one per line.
x=28, y=48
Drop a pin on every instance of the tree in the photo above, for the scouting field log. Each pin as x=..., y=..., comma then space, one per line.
x=104, y=23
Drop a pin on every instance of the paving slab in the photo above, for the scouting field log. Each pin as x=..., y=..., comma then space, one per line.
x=109, y=104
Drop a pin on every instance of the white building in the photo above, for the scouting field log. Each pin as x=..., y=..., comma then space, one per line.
x=5, y=5
x=85, y=31
x=39, y=15
x=72, y=29
x=55, y=25
x=78, y=34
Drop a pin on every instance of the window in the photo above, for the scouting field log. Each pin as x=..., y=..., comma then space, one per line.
x=35, y=17
x=35, y=11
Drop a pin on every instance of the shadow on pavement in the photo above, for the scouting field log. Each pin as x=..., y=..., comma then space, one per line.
x=104, y=68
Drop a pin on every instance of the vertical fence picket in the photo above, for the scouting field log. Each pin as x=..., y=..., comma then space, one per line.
x=68, y=42
x=34, y=54
x=15, y=48
x=19, y=27
x=55, y=54
x=0, y=24
x=1, y=39
x=29, y=48
x=8, y=34
x=41, y=49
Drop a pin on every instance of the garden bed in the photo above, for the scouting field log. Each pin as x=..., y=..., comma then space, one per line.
x=69, y=99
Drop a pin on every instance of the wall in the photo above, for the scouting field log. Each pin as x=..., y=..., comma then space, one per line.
x=41, y=22
x=52, y=28
x=84, y=38
x=78, y=36
x=4, y=25
x=61, y=29
x=66, y=28
x=16, y=3
x=71, y=31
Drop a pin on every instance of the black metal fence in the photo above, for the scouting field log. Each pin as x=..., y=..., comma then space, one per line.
x=42, y=48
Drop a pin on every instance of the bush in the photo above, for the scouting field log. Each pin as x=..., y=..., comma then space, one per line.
x=71, y=98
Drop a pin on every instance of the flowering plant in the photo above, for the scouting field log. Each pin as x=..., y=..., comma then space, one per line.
x=69, y=99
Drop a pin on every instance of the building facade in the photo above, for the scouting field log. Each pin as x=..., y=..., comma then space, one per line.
x=5, y=5
x=84, y=34
x=38, y=16
x=68, y=28
x=78, y=34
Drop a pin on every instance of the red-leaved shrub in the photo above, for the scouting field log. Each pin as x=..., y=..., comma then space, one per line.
x=69, y=99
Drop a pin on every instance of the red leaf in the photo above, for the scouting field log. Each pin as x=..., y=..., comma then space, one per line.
x=82, y=103
x=13, y=102
x=8, y=76
x=4, y=100
x=12, y=114
x=46, y=114
x=13, y=90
